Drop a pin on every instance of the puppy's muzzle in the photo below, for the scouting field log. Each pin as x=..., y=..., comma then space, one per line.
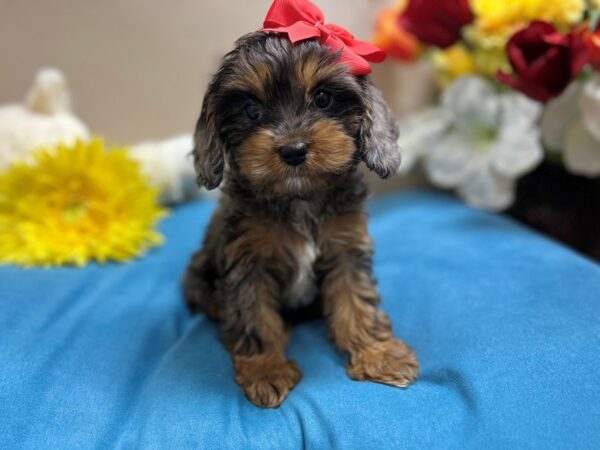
x=294, y=154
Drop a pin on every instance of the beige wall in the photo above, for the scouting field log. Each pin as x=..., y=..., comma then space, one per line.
x=138, y=69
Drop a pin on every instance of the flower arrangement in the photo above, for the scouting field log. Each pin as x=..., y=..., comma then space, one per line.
x=520, y=85
x=72, y=204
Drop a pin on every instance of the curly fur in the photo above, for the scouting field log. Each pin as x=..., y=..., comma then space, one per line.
x=290, y=239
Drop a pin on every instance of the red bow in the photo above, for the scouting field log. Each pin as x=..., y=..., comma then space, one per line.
x=301, y=20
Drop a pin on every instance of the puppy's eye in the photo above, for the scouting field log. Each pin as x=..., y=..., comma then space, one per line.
x=253, y=111
x=323, y=99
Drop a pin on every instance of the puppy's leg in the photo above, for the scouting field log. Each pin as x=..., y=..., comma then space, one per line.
x=253, y=329
x=255, y=334
x=350, y=297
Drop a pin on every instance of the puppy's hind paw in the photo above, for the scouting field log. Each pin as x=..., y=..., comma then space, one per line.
x=390, y=362
x=267, y=383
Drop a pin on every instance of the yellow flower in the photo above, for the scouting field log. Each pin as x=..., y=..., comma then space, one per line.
x=458, y=61
x=595, y=3
x=452, y=63
x=497, y=20
x=76, y=204
x=489, y=61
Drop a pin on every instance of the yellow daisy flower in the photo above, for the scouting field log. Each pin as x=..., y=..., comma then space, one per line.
x=76, y=204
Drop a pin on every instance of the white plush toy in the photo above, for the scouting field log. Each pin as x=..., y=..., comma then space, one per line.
x=45, y=119
x=170, y=167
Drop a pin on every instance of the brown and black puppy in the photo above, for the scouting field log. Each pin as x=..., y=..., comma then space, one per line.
x=286, y=127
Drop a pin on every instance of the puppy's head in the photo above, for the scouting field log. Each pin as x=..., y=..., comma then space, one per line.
x=289, y=119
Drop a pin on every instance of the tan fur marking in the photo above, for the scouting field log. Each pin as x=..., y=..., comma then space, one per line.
x=266, y=380
x=357, y=325
x=311, y=71
x=269, y=244
x=254, y=80
x=260, y=162
x=331, y=149
x=331, y=152
x=348, y=292
x=355, y=322
x=390, y=362
x=344, y=233
x=265, y=377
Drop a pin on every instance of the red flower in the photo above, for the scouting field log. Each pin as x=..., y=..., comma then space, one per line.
x=436, y=22
x=544, y=61
x=592, y=41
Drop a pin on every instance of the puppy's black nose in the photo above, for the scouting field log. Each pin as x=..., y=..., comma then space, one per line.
x=294, y=154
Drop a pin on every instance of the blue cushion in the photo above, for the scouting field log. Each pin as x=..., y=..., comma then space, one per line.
x=505, y=322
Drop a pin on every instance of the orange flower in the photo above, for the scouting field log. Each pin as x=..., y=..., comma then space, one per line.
x=393, y=39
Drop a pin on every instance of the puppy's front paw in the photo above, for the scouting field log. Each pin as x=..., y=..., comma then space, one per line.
x=390, y=362
x=267, y=382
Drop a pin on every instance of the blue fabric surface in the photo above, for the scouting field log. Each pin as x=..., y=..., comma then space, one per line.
x=506, y=325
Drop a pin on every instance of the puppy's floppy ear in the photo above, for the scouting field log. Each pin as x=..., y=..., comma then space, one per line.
x=379, y=135
x=209, y=157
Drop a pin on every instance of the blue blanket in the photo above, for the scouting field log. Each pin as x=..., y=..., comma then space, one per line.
x=505, y=322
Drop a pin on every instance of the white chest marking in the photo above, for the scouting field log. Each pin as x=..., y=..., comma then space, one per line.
x=302, y=289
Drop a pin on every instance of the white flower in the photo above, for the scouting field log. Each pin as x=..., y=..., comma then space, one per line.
x=418, y=133
x=571, y=124
x=478, y=142
x=44, y=121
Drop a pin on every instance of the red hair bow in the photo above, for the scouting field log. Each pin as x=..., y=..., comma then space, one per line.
x=302, y=20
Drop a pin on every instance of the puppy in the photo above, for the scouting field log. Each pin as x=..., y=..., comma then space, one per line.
x=286, y=127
